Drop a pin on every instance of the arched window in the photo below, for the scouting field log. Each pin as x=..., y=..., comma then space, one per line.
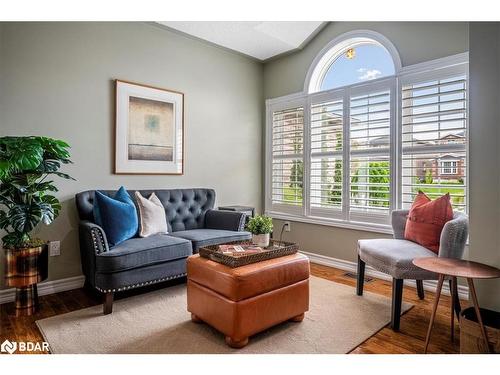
x=359, y=63
x=365, y=136
x=353, y=58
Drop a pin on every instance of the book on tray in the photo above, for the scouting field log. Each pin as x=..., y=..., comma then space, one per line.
x=239, y=250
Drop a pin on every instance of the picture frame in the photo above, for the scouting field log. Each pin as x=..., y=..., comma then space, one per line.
x=149, y=129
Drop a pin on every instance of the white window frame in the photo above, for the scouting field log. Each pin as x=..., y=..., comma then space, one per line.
x=440, y=68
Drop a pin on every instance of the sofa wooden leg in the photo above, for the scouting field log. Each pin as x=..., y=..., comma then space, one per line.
x=361, y=277
x=195, y=319
x=397, y=299
x=107, y=305
x=237, y=344
x=298, y=318
x=420, y=289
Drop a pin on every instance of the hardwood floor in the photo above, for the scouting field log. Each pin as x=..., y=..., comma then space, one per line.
x=409, y=340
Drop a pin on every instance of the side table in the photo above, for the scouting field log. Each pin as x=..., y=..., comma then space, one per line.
x=448, y=267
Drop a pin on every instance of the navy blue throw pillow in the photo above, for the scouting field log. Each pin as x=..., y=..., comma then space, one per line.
x=116, y=215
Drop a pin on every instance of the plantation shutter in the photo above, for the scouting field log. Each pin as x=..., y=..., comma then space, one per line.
x=287, y=172
x=370, y=153
x=434, y=139
x=326, y=174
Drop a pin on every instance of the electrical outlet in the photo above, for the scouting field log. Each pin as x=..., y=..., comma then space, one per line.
x=54, y=248
x=288, y=227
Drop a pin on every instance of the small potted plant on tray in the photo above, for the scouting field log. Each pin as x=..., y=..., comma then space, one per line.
x=260, y=226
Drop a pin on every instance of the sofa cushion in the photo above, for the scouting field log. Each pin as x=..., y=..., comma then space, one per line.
x=151, y=214
x=206, y=237
x=395, y=257
x=116, y=215
x=140, y=252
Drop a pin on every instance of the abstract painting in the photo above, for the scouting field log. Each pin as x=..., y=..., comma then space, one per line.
x=149, y=130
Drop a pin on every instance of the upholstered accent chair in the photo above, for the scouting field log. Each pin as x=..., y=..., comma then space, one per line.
x=394, y=257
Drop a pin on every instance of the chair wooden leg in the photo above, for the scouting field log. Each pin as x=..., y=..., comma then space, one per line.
x=397, y=299
x=420, y=289
x=361, y=277
x=107, y=305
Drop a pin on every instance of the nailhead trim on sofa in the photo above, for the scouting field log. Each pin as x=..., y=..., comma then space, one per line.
x=141, y=284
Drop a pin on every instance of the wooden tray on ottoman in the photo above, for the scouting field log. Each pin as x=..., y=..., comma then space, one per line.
x=274, y=250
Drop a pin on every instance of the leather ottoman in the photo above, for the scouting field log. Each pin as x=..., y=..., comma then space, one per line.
x=240, y=302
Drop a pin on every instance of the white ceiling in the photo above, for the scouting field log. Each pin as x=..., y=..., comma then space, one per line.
x=259, y=39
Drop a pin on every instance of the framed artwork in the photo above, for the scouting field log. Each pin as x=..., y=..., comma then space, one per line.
x=149, y=136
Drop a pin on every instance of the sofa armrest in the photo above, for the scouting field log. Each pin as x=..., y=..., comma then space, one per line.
x=398, y=222
x=225, y=220
x=94, y=238
x=92, y=242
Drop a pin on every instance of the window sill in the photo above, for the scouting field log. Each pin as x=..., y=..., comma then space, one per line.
x=354, y=225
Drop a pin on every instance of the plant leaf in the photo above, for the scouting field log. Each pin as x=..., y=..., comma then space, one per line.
x=25, y=154
x=23, y=217
x=50, y=208
x=63, y=175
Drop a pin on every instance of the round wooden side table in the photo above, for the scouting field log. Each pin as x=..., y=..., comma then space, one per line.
x=454, y=268
x=24, y=268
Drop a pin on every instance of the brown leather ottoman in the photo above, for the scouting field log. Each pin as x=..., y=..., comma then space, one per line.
x=243, y=301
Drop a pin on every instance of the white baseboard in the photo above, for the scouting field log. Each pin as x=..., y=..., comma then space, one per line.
x=47, y=287
x=56, y=286
x=345, y=265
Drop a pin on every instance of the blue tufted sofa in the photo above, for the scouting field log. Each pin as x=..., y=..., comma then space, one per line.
x=192, y=223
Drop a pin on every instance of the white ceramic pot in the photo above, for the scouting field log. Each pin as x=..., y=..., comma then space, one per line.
x=260, y=239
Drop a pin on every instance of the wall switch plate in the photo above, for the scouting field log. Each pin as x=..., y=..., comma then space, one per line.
x=288, y=227
x=54, y=248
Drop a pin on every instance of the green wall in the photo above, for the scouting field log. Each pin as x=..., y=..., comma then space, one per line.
x=56, y=79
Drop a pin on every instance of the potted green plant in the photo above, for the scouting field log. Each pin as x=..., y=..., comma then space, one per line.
x=27, y=166
x=260, y=226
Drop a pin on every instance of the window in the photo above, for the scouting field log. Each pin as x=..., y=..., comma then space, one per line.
x=348, y=150
x=327, y=128
x=449, y=167
x=358, y=63
x=370, y=149
x=287, y=173
x=348, y=161
x=434, y=138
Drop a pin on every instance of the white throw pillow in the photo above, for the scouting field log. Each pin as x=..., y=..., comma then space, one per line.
x=152, y=216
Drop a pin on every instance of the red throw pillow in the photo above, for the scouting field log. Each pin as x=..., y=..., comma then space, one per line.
x=426, y=220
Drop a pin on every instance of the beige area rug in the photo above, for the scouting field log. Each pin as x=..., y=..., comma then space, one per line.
x=157, y=322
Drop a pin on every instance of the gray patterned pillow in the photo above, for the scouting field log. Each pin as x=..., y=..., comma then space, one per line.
x=152, y=217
